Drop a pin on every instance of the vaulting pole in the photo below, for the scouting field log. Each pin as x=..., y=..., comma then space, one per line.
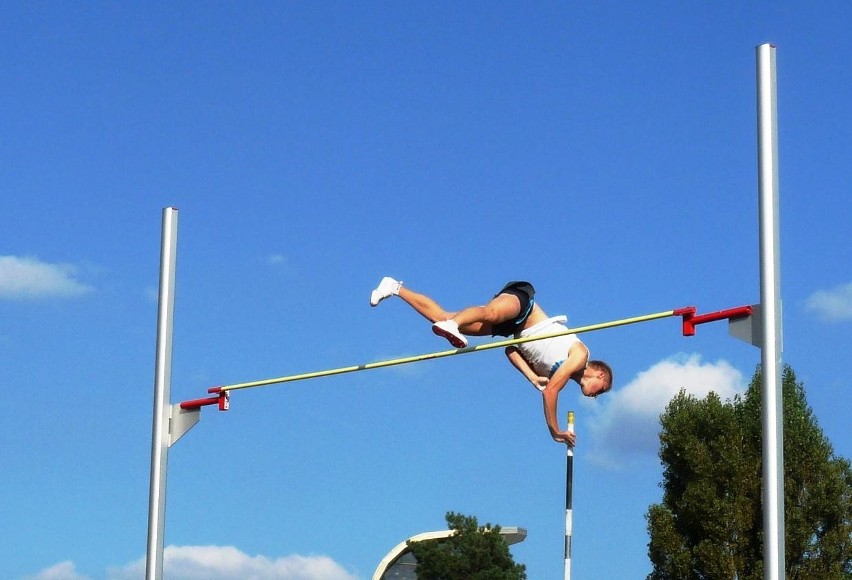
x=162, y=393
x=569, y=492
x=770, y=299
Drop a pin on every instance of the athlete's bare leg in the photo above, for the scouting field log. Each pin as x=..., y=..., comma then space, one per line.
x=479, y=320
x=425, y=306
x=474, y=320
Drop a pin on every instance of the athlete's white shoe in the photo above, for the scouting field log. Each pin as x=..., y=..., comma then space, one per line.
x=450, y=330
x=387, y=287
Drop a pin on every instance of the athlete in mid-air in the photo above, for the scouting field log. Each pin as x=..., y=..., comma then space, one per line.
x=548, y=363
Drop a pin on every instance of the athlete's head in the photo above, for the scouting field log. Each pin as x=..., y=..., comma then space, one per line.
x=597, y=378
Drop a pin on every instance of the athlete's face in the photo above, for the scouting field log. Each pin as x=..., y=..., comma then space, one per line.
x=594, y=382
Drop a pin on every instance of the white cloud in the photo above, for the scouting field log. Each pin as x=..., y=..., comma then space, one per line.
x=229, y=563
x=624, y=424
x=25, y=278
x=832, y=305
x=62, y=571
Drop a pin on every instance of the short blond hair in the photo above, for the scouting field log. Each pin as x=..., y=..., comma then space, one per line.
x=602, y=366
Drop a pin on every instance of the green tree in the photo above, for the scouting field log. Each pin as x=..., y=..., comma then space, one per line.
x=709, y=524
x=473, y=552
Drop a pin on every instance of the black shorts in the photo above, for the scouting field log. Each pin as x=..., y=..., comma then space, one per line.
x=525, y=293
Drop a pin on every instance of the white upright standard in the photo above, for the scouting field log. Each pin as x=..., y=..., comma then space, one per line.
x=772, y=332
x=160, y=441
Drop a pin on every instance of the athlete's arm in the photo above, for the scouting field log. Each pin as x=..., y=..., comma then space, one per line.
x=519, y=362
x=578, y=356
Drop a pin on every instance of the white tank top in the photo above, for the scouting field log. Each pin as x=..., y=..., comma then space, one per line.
x=543, y=355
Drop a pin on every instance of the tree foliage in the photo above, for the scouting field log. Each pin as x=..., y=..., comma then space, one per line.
x=710, y=524
x=473, y=552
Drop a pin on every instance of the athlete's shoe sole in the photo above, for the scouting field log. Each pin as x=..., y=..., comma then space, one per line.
x=449, y=330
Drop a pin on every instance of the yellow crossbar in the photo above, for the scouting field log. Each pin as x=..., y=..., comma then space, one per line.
x=446, y=353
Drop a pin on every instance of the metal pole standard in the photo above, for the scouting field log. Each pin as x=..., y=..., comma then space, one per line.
x=569, y=492
x=770, y=299
x=162, y=393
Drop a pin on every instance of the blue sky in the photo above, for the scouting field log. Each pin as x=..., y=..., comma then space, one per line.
x=605, y=151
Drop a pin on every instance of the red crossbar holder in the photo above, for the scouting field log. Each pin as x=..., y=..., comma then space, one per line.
x=691, y=320
x=222, y=398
